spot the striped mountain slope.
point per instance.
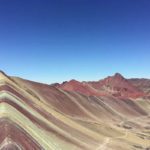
(36, 116)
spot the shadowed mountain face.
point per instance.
(110, 114)
(142, 84)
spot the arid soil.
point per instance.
(109, 114)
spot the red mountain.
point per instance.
(115, 85)
(142, 84)
(80, 87)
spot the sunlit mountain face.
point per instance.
(109, 114)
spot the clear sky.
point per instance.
(57, 40)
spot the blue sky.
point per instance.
(57, 40)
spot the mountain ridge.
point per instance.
(41, 116)
(115, 85)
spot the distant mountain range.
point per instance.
(116, 86)
(109, 114)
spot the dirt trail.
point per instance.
(108, 139)
(104, 145)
